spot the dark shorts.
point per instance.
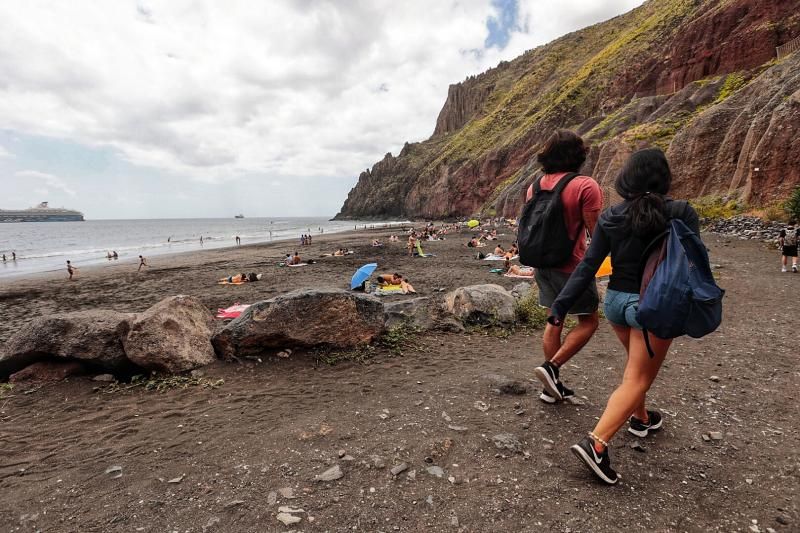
(790, 251)
(551, 282)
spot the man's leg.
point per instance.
(576, 339)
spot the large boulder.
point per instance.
(481, 304)
(47, 372)
(94, 337)
(415, 312)
(303, 318)
(172, 336)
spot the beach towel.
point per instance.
(232, 312)
(521, 276)
(283, 264)
(493, 257)
(420, 253)
(231, 282)
(387, 290)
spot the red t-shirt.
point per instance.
(582, 195)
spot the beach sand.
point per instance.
(278, 423)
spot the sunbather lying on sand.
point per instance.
(395, 279)
(516, 270)
(241, 278)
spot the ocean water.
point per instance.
(46, 246)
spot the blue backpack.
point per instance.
(682, 297)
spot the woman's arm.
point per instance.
(583, 274)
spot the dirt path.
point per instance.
(278, 424)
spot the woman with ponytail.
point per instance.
(625, 230)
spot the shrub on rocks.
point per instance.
(303, 318)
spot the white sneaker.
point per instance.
(783, 269)
(794, 269)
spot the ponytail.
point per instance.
(644, 181)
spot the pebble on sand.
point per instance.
(331, 474)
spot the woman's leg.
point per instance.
(624, 336)
(640, 371)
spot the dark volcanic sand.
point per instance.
(281, 422)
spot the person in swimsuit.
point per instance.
(71, 270)
(142, 263)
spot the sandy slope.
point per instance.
(279, 423)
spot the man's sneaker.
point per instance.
(783, 269)
(640, 429)
(566, 394)
(600, 464)
(548, 375)
(794, 269)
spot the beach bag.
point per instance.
(252, 276)
(543, 239)
(679, 295)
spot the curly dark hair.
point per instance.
(564, 151)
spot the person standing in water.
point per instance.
(625, 230)
(201, 240)
(71, 270)
(13, 256)
(142, 263)
(238, 241)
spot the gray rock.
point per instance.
(416, 312)
(435, 471)
(715, 379)
(288, 519)
(272, 498)
(507, 441)
(376, 461)
(286, 492)
(507, 385)
(94, 337)
(481, 304)
(303, 318)
(412, 475)
(331, 474)
(521, 290)
(638, 447)
(172, 336)
(104, 378)
(399, 469)
(715, 435)
(460, 429)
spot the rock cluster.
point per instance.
(176, 334)
(747, 227)
(173, 335)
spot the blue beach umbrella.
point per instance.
(362, 275)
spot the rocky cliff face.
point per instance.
(697, 78)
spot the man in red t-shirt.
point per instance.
(582, 199)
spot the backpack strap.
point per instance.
(563, 182)
(537, 185)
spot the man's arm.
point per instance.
(591, 204)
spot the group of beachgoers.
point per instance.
(624, 231)
(305, 240)
(13, 257)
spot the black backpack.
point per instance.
(544, 241)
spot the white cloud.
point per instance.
(211, 90)
(49, 180)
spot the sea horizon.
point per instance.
(43, 247)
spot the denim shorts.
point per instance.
(620, 308)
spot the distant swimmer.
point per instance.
(114, 254)
(4, 258)
(238, 241)
(71, 269)
(142, 263)
(201, 240)
(13, 256)
(109, 256)
(169, 238)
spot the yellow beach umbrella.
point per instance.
(473, 224)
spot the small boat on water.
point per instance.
(239, 216)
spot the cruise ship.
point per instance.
(41, 213)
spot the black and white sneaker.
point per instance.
(794, 269)
(640, 429)
(566, 394)
(548, 375)
(600, 464)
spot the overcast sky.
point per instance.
(185, 108)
